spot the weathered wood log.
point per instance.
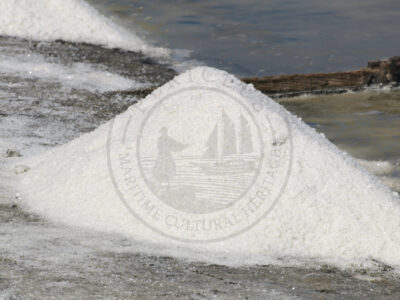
(378, 72)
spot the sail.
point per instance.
(212, 144)
(246, 142)
(229, 138)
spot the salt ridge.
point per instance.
(68, 20)
(332, 209)
(77, 75)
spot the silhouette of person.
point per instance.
(164, 168)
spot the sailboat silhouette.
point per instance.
(222, 154)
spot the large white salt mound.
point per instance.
(68, 20)
(331, 209)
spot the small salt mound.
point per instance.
(77, 75)
(330, 210)
(68, 20)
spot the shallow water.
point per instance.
(366, 125)
(267, 37)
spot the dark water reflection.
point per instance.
(268, 37)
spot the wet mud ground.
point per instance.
(42, 260)
(46, 261)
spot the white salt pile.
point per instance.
(68, 20)
(328, 208)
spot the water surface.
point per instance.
(366, 125)
(268, 37)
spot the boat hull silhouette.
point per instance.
(227, 166)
